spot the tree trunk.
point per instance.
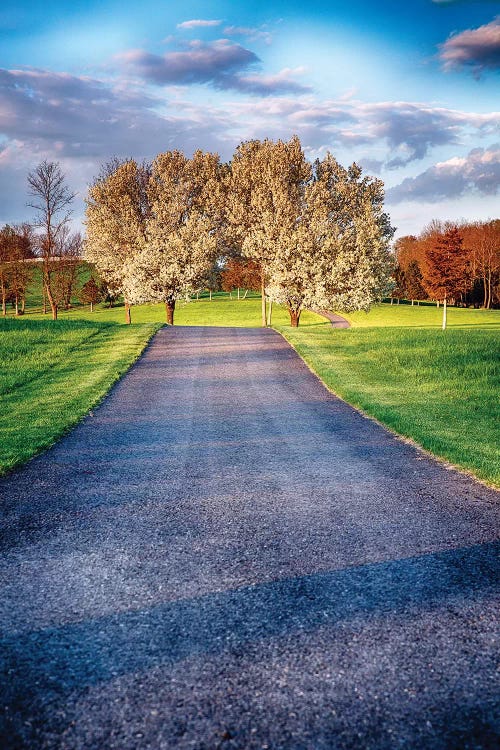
(269, 312)
(437, 304)
(444, 314)
(170, 307)
(23, 305)
(52, 302)
(245, 295)
(294, 317)
(238, 292)
(91, 307)
(398, 300)
(128, 316)
(4, 301)
(210, 295)
(392, 300)
(263, 298)
(17, 306)
(412, 303)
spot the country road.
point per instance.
(224, 555)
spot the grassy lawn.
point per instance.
(53, 373)
(219, 311)
(423, 316)
(438, 388)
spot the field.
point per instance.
(53, 373)
(438, 388)
(423, 316)
(220, 311)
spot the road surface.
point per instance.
(224, 555)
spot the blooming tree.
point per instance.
(186, 204)
(265, 200)
(117, 209)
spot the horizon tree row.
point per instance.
(470, 249)
(317, 233)
(16, 247)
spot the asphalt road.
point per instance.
(224, 555)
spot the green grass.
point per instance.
(220, 311)
(53, 373)
(423, 316)
(438, 388)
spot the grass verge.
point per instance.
(423, 316)
(438, 388)
(53, 373)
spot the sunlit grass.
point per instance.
(422, 316)
(52, 373)
(219, 311)
(438, 388)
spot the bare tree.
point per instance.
(51, 199)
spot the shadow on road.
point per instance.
(76, 655)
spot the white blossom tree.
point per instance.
(337, 255)
(265, 200)
(182, 236)
(117, 209)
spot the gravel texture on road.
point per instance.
(225, 555)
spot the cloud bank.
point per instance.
(478, 49)
(221, 64)
(478, 172)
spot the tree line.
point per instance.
(448, 261)
(16, 248)
(306, 235)
(21, 251)
(316, 234)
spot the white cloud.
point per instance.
(251, 32)
(476, 173)
(197, 23)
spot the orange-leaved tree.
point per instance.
(447, 264)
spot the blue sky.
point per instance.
(408, 89)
